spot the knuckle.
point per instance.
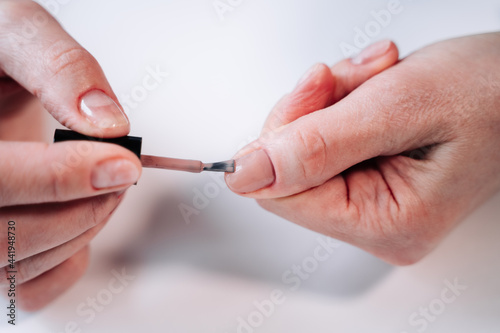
(25, 269)
(99, 209)
(311, 153)
(67, 56)
(93, 216)
(57, 181)
(55, 187)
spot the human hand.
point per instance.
(59, 195)
(392, 167)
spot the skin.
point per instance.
(56, 213)
(392, 205)
(397, 163)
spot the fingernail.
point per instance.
(113, 173)
(372, 52)
(253, 172)
(102, 111)
(309, 74)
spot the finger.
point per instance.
(351, 73)
(30, 268)
(318, 89)
(21, 118)
(324, 209)
(372, 206)
(329, 209)
(37, 293)
(40, 228)
(321, 87)
(37, 173)
(313, 149)
(37, 53)
(314, 92)
(336, 207)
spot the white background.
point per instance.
(224, 77)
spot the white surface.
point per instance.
(224, 78)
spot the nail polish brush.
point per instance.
(134, 144)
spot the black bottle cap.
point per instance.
(132, 143)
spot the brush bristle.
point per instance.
(225, 166)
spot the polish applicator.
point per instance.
(134, 144)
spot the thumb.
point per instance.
(291, 153)
(38, 54)
(313, 149)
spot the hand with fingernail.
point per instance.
(59, 196)
(388, 161)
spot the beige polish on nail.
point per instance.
(114, 173)
(253, 172)
(102, 111)
(372, 52)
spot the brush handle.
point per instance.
(132, 143)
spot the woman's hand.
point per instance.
(60, 195)
(392, 167)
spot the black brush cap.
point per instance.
(132, 143)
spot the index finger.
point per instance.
(37, 53)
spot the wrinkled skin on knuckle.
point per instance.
(67, 57)
(59, 179)
(100, 208)
(399, 233)
(406, 238)
(311, 154)
(26, 267)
